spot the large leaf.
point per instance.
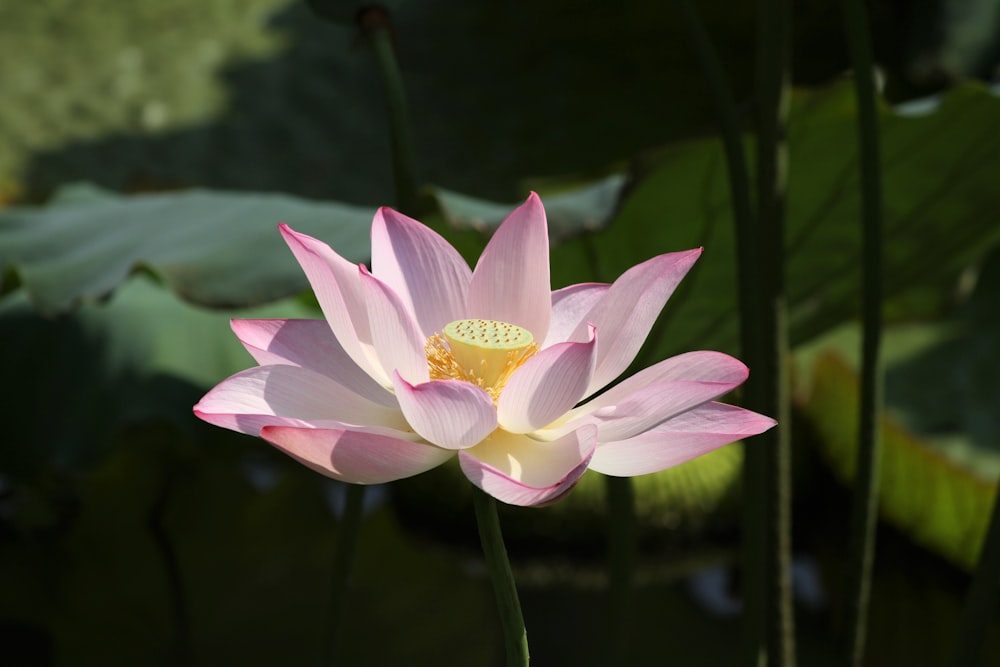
(216, 249)
(579, 209)
(940, 201)
(219, 249)
(941, 433)
(80, 380)
(939, 503)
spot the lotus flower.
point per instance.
(422, 358)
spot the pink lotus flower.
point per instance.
(421, 358)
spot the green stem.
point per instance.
(508, 605)
(767, 391)
(736, 165)
(621, 565)
(181, 649)
(375, 25)
(981, 603)
(753, 340)
(621, 530)
(861, 546)
(343, 563)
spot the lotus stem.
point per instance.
(981, 602)
(752, 341)
(504, 587)
(376, 26)
(767, 390)
(864, 513)
(343, 564)
(621, 564)
(181, 649)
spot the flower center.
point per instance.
(483, 352)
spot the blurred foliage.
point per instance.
(144, 355)
(937, 210)
(571, 209)
(78, 73)
(941, 459)
(262, 95)
(295, 104)
(202, 244)
(172, 558)
(938, 217)
(937, 502)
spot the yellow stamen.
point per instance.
(483, 352)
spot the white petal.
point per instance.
(628, 310)
(570, 307)
(521, 471)
(309, 344)
(651, 405)
(247, 400)
(511, 281)
(679, 440)
(427, 273)
(399, 344)
(358, 456)
(449, 413)
(338, 289)
(547, 386)
(697, 366)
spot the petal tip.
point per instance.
(297, 238)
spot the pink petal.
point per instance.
(399, 344)
(449, 413)
(309, 344)
(338, 289)
(678, 440)
(356, 456)
(699, 366)
(547, 385)
(570, 307)
(521, 471)
(250, 424)
(511, 280)
(628, 310)
(286, 394)
(645, 408)
(429, 275)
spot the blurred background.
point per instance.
(147, 152)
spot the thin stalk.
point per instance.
(343, 564)
(376, 26)
(181, 646)
(864, 514)
(508, 604)
(621, 565)
(981, 603)
(767, 391)
(752, 336)
(736, 165)
(621, 530)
